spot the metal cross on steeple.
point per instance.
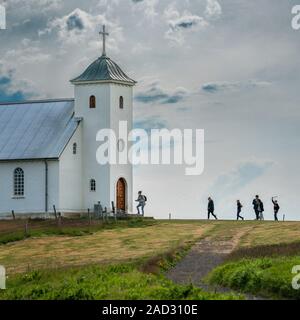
(104, 34)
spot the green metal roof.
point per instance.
(103, 70)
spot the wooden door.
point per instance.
(121, 195)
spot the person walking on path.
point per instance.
(142, 202)
(258, 207)
(239, 210)
(276, 208)
(211, 208)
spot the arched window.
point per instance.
(75, 148)
(92, 102)
(19, 182)
(121, 102)
(93, 185)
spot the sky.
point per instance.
(230, 67)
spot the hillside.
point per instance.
(151, 250)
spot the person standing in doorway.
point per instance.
(211, 208)
(239, 210)
(276, 208)
(142, 202)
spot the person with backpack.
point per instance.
(276, 208)
(239, 210)
(142, 202)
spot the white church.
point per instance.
(48, 148)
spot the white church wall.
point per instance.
(53, 184)
(125, 114)
(93, 121)
(70, 175)
(33, 200)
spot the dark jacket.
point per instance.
(239, 206)
(211, 205)
(276, 206)
(257, 204)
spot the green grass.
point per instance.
(121, 282)
(269, 277)
(39, 229)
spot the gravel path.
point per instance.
(205, 255)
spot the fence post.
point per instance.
(106, 214)
(55, 214)
(59, 220)
(26, 227)
(114, 210)
(13, 214)
(89, 216)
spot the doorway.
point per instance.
(121, 194)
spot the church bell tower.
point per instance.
(103, 98)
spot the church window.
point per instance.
(92, 102)
(75, 148)
(93, 185)
(19, 182)
(121, 102)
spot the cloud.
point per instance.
(240, 177)
(12, 89)
(150, 123)
(74, 21)
(213, 10)
(80, 27)
(178, 23)
(216, 87)
(33, 7)
(148, 7)
(155, 94)
(29, 52)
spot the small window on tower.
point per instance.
(75, 148)
(93, 185)
(121, 103)
(92, 102)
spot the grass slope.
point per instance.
(121, 282)
(270, 277)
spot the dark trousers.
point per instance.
(275, 215)
(239, 215)
(211, 212)
(257, 213)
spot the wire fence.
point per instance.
(20, 225)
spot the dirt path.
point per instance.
(205, 255)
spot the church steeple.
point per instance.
(104, 70)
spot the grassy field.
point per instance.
(116, 261)
(119, 244)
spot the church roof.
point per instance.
(103, 70)
(36, 129)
